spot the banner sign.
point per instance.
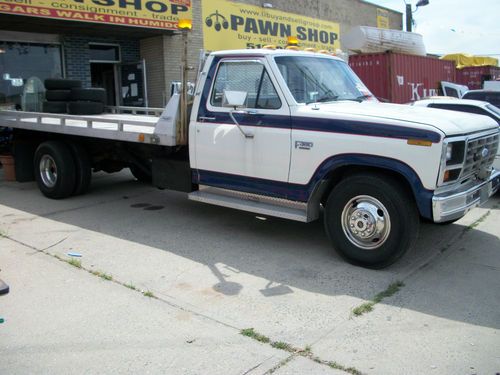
(230, 25)
(154, 14)
(382, 18)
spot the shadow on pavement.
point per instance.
(287, 254)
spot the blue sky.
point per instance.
(450, 26)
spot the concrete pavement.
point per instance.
(229, 270)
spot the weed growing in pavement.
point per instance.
(282, 346)
(149, 294)
(478, 221)
(368, 306)
(306, 353)
(337, 366)
(3, 233)
(249, 332)
(102, 275)
(130, 286)
(75, 262)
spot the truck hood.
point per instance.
(448, 122)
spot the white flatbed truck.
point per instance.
(282, 133)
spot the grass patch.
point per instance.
(478, 221)
(3, 233)
(366, 307)
(149, 294)
(282, 346)
(75, 262)
(306, 352)
(250, 332)
(363, 309)
(337, 366)
(102, 275)
(130, 286)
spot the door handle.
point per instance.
(203, 118)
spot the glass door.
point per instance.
(133, 84)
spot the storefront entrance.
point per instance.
(104, 75)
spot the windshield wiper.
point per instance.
(323, 99)
(358, 98)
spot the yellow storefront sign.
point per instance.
(230, 25)
(155, 14)
(382, 19)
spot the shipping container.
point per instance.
(474, 76)
(400, 78)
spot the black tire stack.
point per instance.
(87, 101)
(68, 96)
(58, 94)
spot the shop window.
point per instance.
(104, 52)
(23, 68)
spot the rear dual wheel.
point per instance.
(61, 169)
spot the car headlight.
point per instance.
(455, 152)
(452, 161)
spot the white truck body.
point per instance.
(310, 135)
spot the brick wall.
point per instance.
(76, 55)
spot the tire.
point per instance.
(140, 175)
(55, 170)
(92, 95)
(83, 168)
(55, 107)
(85, 108)
(361, 200)
(58, 95)
(61, 84)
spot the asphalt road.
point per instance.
(186, 278)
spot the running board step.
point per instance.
(252, 203)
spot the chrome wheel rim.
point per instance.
(366, 222)
(48, 171)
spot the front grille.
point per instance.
(475, 158)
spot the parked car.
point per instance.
(465, 105)
(492, 97)
(455, 90)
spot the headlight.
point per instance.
(452, 161)
(455, 152)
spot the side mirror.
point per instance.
(234, 99)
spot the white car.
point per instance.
(464, 105)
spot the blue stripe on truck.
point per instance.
(302, 193)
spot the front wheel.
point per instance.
(371, 220)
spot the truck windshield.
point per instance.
(318, 79)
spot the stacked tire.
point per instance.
(87, 101)
(58, 94)
(68, 96)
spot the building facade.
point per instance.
(132, 48)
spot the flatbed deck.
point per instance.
(139, 128)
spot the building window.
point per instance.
(104, 52)
(23, 68)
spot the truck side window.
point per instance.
(247, 76)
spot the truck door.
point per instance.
(221, 150)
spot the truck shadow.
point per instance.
(445, 275)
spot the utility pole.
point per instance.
(409, 18)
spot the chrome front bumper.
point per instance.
(453, 205)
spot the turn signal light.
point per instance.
(419, 142)
(141, 137)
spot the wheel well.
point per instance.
(333, 178)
